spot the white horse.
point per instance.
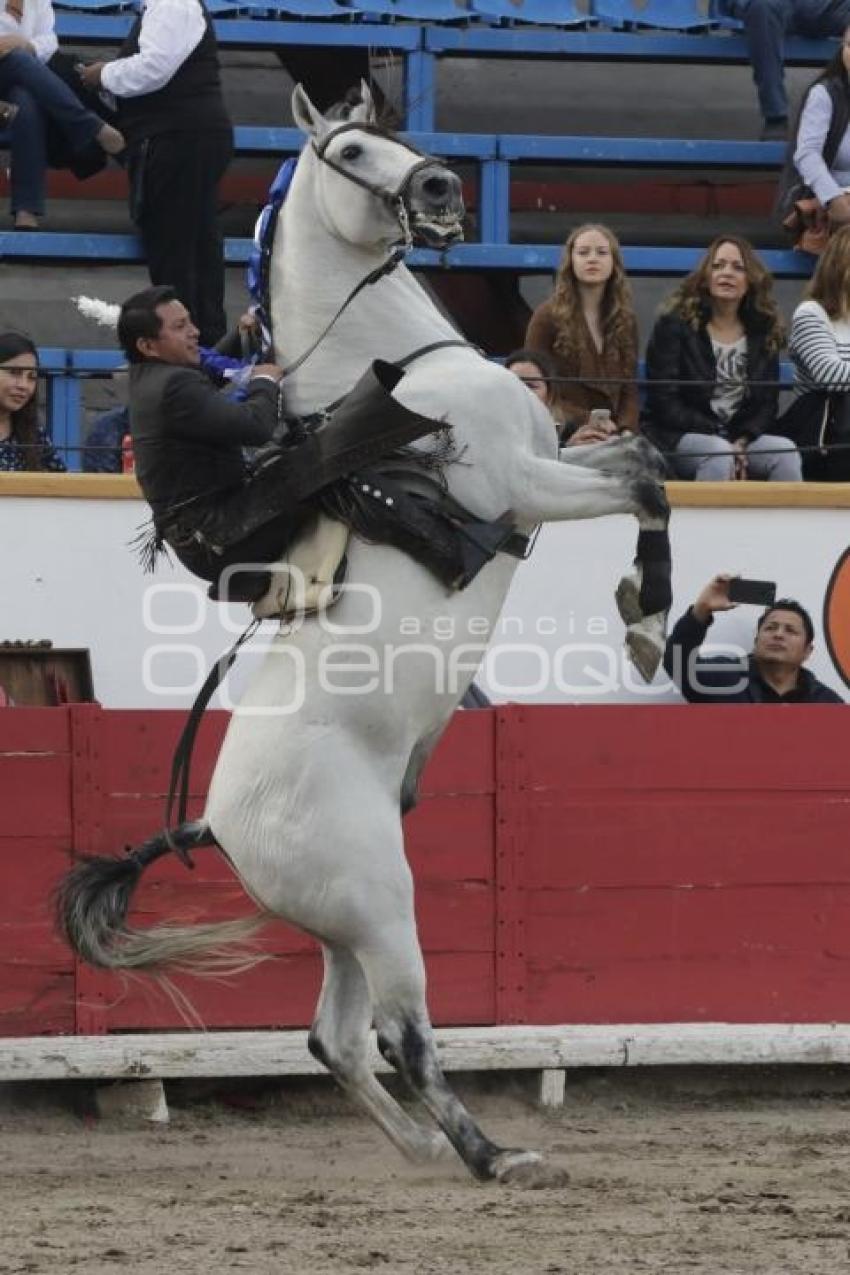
(306, 804)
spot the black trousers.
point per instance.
(174, 181)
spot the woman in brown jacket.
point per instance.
(588, 326)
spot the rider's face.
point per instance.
(177, 341)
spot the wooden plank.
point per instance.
(451, 838)
(35, 730)
(283, 993)
(681, 495)
(627, 747)
(270, 1053)
(463, 761)
(35, 791)
(36, 995)
(586, 927)
(743, 989)
(677, 839)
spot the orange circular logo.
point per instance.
(836, 616)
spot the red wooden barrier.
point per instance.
(589, 864)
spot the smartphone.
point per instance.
(759, 593)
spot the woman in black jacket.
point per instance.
(720, 333)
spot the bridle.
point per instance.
(393, 199)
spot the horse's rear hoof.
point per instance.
(527, 1169)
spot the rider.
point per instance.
(208, 505)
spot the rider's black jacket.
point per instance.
(188, 437)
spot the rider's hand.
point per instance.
(714, 597)
(838, 210)
(267, 369)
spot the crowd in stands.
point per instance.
(711, 400)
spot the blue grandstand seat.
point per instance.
(556, 13)
(95, 6)
(417, 10)
(308, 9)
(722, 19)
(671, 15)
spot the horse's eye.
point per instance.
(351, 152)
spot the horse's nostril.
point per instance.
(436, 187)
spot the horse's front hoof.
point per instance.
(645, 648)
(527, 1169)
(627, 597)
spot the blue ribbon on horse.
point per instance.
(259, 264)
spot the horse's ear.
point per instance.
(310, 120)
(365, 112)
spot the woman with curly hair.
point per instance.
(588, 327)
(712, 367)
(23, 444)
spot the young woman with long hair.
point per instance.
(23, 444)
(820, 351)
(588, 327)
(813, 197)
(712, 367)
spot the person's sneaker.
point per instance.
(775, 131)
(26, 220)
(110, 140)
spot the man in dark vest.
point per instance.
(208, 505)
(179, 143)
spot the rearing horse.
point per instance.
(306, 804)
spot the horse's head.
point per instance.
(374, 188)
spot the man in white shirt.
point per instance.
(179, 143)
(43, 101)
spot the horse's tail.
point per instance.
(93, 899)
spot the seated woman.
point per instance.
(588, 327)
(712, 367)
(820, 350)
(43, 102)
(813, 194)
(23, 445)
(539, 373)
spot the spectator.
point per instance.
(820, 350)
(188, 440)
(42, 104)
(539, 373)
(23, 445)
(772, 674)
(766, 23)
(179, 141)
(589, 328)
(812, 197)
(712, 367)
(102, 452)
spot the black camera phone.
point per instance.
(759, 593)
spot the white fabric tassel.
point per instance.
(101, 311)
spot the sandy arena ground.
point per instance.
(670, 1172)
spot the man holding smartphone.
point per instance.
(773, 673)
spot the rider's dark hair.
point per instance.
(138, 318)
(789, 604)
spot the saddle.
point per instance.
(395, 502)
(308, 578)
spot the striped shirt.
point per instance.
(819, 349)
